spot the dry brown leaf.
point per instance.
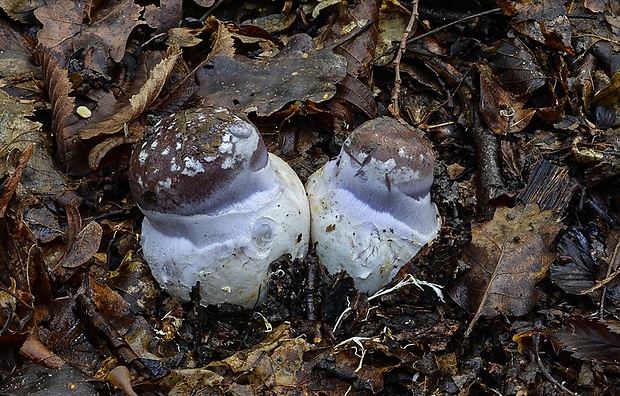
(610, 95)
(98, 152)
(146, 93)
(70, 151)
(501, 111)
(10, 185)
(34, 350)
(223, 42)
(508, 255)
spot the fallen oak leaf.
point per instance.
(508, 255)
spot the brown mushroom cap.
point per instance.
(197, 161)
(387, 154)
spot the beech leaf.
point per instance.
(591, 340)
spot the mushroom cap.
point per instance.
(385, 153)
(195, 160)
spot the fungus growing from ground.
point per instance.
(371, 206)
(219, 209)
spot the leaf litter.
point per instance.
(517, 122)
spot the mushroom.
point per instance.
(219, 209)
(371, 209)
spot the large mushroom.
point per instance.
(371, 206)
(218, 207)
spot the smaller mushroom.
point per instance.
(371, 208)
(219, 209)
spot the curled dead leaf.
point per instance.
(125, 112)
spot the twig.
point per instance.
(490, 182)
(394, 105)
(440, 28)
(539, 363)
(612, 266)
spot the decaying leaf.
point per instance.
(71, 153)
(69, 25)
(550, 186)
(591, 339)
(393, 18)
(84, 247)
(501, 111)
(133, 280)
(575, 271)
(298, 72)
(41, 176)
(516, 67)
(356, 26)
(545, 21)
(274, 365)
(610, 95)
(508, 255)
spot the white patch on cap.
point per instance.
(192, 167)
(173, 165)
(142, 157)
(166, 183)
(228, 143)
(166, 151)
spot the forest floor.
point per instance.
(517, 295)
